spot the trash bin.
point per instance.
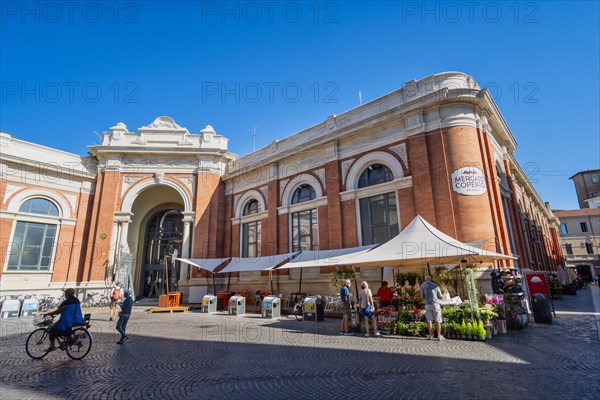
(237, 305)
(29, 308)
(11, 308)
(313, 309)
(209, 304)
(542, 311)
(271, 307)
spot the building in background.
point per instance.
(580, 229)
(587, 186)
(437, 147)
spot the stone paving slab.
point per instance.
(201, 356)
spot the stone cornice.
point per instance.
(444, 90)
(307, 205)
(250, 218)
(391, 186)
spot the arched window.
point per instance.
(251, 207)
(304, 223)
(303, 193)
(33, 242)
(379, 213)
(375, 174)
(39, 206)
(251, 231)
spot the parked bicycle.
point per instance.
(298, 309)
(46, 302)
(77, 343)
(95, 300)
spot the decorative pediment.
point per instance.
(163, 124)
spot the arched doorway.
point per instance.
(163, 236)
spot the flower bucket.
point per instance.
(501, 326)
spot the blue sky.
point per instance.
(69, 70)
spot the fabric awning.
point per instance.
(324, 258)
(256, 264)
(209, 264)
(420, 243)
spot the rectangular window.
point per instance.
(589, 248)
(32, 247)
(563, 228)
(595, 179)
(378, 218)
(251, 239)
(304, 230)
(584, 227)
(569, 249)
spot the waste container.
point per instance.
(542, 311)
(11, 308)
(209, 304)
(237, 305)
(313, 309)
(271, 307)
(29, 308)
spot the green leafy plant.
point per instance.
(401, 279)
(417, 329)
(464, 330)
(469, 274)
(339, 276)
(480, 330)
(412, 278)
(401, 328)
(487, 314)
(453, 314)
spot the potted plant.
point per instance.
(401, 279)
(464, 331)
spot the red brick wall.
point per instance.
(349, 225)
(333, 217)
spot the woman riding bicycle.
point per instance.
(70, 315)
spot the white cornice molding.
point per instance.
(307, 205)
(377, 189)
(40, 219)
(250, 218)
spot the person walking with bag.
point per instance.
(124, 315)
(368, 309)
(115, 297)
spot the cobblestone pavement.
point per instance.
(200, 356)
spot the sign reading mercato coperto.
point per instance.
(469, 181)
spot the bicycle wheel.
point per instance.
(37, 344)
(298, 312)
(79, 343)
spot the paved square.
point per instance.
(200, 356)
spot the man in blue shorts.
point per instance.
(345, 298)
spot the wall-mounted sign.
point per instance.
(469, 181)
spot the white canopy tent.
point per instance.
(325, 258)
(421, 243)
(256, 264)
(209, 264)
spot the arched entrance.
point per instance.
(157, 230)
(163, 238)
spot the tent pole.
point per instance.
(428, 269)
(228, 280)
(166, 274)
(271, 279)
(300, 283)
(214, 284)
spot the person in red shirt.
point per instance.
(385, 294)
